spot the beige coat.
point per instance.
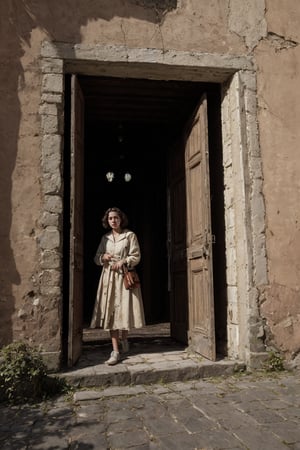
(115, 307)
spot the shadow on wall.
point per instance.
(61, 21)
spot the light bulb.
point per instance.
(110, 176)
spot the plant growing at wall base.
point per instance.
(275, 362)
(23, 375)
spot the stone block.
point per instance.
(52, 65)
(51, 259)
(51, 277)
(232, 313)
(51, 145)
(52, 98)
(53, 83)
(229, 217)
(49, 220)
(255, 165)
(52, 182)
(53, 204)
(257, 204)
(260, 267)
(51, 124)
(231, 266)
(49, 238)
(50, 290)
(48, 109)
(233, 341)
(230, 237)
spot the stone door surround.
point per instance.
(244, 205)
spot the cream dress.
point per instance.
(115, 307)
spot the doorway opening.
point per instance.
(131, 126)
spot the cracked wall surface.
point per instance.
(278, 62)
(267, 30)
(247, 20)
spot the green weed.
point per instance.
(23, 376)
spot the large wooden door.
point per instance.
(76, 223)
(177, 242)
(199, 236)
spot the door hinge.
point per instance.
(211, 239)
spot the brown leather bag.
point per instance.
(131, 278)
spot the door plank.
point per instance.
(76, 224)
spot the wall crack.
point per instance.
(280, 42)
(124, 37)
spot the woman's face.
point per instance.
(114, 221)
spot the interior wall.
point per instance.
(142, 154)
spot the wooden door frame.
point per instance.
(76, 222)
(244, 206)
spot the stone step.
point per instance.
(158, 362)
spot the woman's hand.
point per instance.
(106, 258)
(118, 265)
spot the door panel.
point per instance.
(199, 238)
(76, 223)
(177, 243)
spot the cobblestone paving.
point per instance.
(246, 411)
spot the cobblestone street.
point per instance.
(258, 411)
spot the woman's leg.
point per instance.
(114, 334)
(125, 344)
(115, 355)
(124, 335)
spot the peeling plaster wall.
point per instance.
(267, 30)
(278, 62)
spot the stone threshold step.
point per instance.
(145, 373)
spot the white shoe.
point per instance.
(125, 345)
(114, 358)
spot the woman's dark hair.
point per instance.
(123, 217)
